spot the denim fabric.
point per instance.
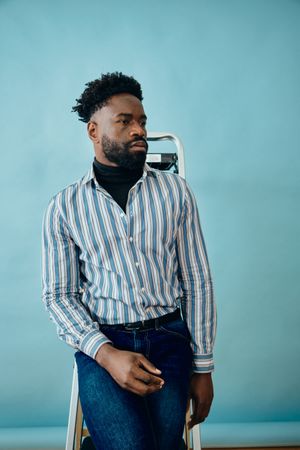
(120, 420)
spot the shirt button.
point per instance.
(143, 289)
(122, 214)
(131, 238)
(137, 264)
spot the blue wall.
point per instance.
(224, 75)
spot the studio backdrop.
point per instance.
(224, 76)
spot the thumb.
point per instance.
(144, 362)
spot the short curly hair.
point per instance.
(98, 92)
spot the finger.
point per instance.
(144, 362)
(142, 389)
(195, 420)
(199, 415)
(146, 377)
(194, 415)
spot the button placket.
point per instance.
(129, 210)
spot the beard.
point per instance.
(122, 155)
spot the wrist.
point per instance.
(202, 374)
(103, 354)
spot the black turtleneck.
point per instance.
(117, 181)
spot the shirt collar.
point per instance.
(148, 171)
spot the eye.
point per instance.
(123, 121)
(143, 123)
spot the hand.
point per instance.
(201, 393)
(132, 371)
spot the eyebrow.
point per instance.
(143, 116)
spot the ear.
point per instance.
(93, 131)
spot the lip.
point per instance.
(139, 144)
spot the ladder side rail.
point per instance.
(73, 411)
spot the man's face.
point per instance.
(118, 131)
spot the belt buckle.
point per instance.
(129, 326)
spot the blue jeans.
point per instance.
(120, 420)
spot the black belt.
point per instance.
(146, 324)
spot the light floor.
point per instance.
(227, 448)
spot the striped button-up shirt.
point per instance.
(102, 266)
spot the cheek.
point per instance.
(113, 133)
(120, 135)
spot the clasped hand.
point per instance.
(132, 371)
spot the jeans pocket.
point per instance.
(177, 328)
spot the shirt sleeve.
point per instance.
(198, 305)
(61, 291)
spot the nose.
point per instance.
(138, 130)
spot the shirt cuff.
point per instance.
(203, 363)
(91, 343)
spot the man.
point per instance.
(126, 281)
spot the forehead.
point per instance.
(123, 103)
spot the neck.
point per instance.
(115, 172)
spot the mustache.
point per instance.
(139, 139)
